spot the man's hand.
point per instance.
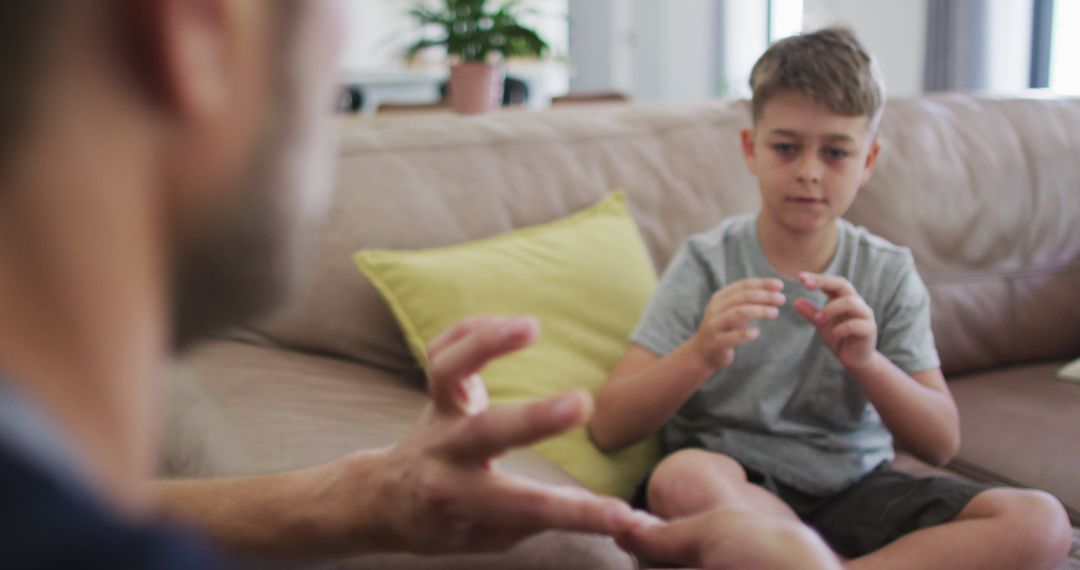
(726, 322)
(437, 490)
(731, 539)
(846, 323)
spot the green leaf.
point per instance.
(472, 32)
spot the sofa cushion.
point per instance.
(586, 278)
(1019, 426)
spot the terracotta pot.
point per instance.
(475, 87)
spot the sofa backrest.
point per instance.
(986, 192)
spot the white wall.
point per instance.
(894, 31)
(375, 33)
(653, 50)
(601, 39)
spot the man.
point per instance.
(159, 161)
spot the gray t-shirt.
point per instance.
(786, 406)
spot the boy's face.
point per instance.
(809, 161)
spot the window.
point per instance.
(1064, 45)
(785, 18)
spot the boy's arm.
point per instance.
(918, 409)
(644, 390)
(647, 388)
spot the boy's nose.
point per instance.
(809, 171)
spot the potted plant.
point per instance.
(478, 41)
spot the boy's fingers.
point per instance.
(500, 428)
(739, 337)
(751, 297)
(745, 285)
(767, 284)
(854, 327)
(461, 359)
(852, 307)
(742, 315)
(832, 285)
(807, 309)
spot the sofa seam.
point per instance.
(1011, 275)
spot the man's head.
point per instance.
(817, 100)
(229, 99)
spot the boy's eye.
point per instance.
(835, 153)
(785, 148)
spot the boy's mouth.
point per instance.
(806, 200)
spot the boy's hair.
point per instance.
(828, 66)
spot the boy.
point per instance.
(783, 352)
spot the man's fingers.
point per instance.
(678, 542)
(832, 285)
(500, 428)
(566, 508)
(459, 360)
(460, 329)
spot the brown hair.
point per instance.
(23, 35)
(26, 37)
(828, 66)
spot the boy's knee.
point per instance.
(1039, 522)
(691, 481)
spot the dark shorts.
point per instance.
(880, 508)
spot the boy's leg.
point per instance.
(999, 528)
(692, 481)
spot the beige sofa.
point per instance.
(985, 191)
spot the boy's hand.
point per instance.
(726, 323)
(846, 323)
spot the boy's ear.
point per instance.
(748, 150)
(871, 160)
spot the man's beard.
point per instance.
(242, 260)
(239, 263)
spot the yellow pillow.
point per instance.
(586, 278)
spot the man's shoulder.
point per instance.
(46, 524)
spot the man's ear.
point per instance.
(871, 160)
(188, 51)
(748, 150)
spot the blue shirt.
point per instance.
(49, 519)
